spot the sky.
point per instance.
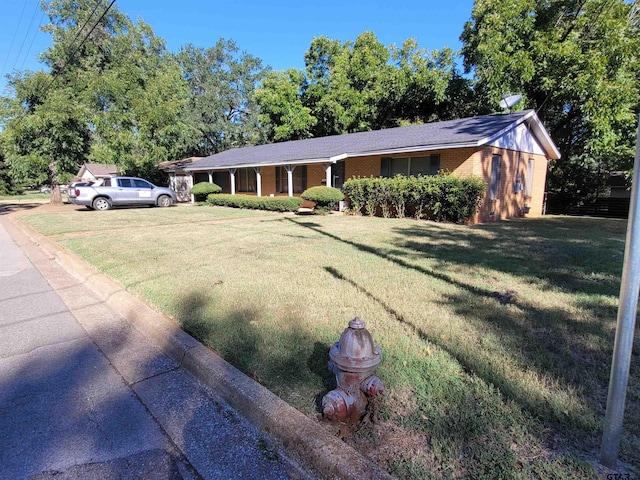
(278, 32)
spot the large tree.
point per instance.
(46, 134)
(576, 64)
(221, 112)
(113, 94)
(362, 85)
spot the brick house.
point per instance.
(510, 152)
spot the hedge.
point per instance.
(443, 197)
(278, 204)
(325, 198)
(202, 189)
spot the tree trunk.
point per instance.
(56, 194)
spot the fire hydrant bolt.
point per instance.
(372, 386)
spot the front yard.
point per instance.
(496, 339)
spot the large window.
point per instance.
(299, 179)
(246, 180)
(411, 166)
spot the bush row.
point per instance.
(443, 197)
(278, 204)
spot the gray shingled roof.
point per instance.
(99, 169)
(464, 132)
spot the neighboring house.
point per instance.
(179, 181)
(90, 172)
(510, 152)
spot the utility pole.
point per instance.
(627, 310)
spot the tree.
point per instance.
(576, 64)
(363, 85)
(113, 95)
(45, 133)
(280, 102)
(221, 112)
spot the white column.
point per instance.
(327, 172)
(290, 169)
(232, 179)
(210, 176)
(258, 171)
(193, 182)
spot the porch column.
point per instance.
(232, 180)
(290, 169)
(192, 182)
(327, 172)
(210, 176)
(258, 171)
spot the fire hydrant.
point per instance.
(353, 360)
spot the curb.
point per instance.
(311, 443)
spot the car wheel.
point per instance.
(164, 201)
(101, 203)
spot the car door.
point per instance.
(125, 193)
(144, 190)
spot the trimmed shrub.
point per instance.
(443, 197)
(202, 189)
(277, 204)
(325, 198)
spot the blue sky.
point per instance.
(277, 32)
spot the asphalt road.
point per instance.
(84, 395)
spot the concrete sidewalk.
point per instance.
(83, 394)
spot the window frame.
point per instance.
(387, 165)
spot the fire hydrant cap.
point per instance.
(356, 351)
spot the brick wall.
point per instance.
(509, 202)
(315, 175)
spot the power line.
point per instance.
(15, 34)
(33, 16)
(70, 57)
(26, 55)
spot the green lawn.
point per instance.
(476, 387)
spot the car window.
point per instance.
(125, 182)
(105, 183)
(141, 183)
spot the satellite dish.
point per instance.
(509, 101)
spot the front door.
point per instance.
(337, 172)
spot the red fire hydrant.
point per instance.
(354, 359)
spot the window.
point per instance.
(246, 180)
(412, 166)
(125, 182)
(529, 181)
(299, 179)
(142, 183)
(495, 177)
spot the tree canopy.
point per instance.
(113, 95)
(576, 64)
(221, 112)
(361, 85)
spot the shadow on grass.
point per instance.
(288, 360)
(543, 340)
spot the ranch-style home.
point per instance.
(510, 152)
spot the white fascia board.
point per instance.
(254, 165)
(336, 158)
